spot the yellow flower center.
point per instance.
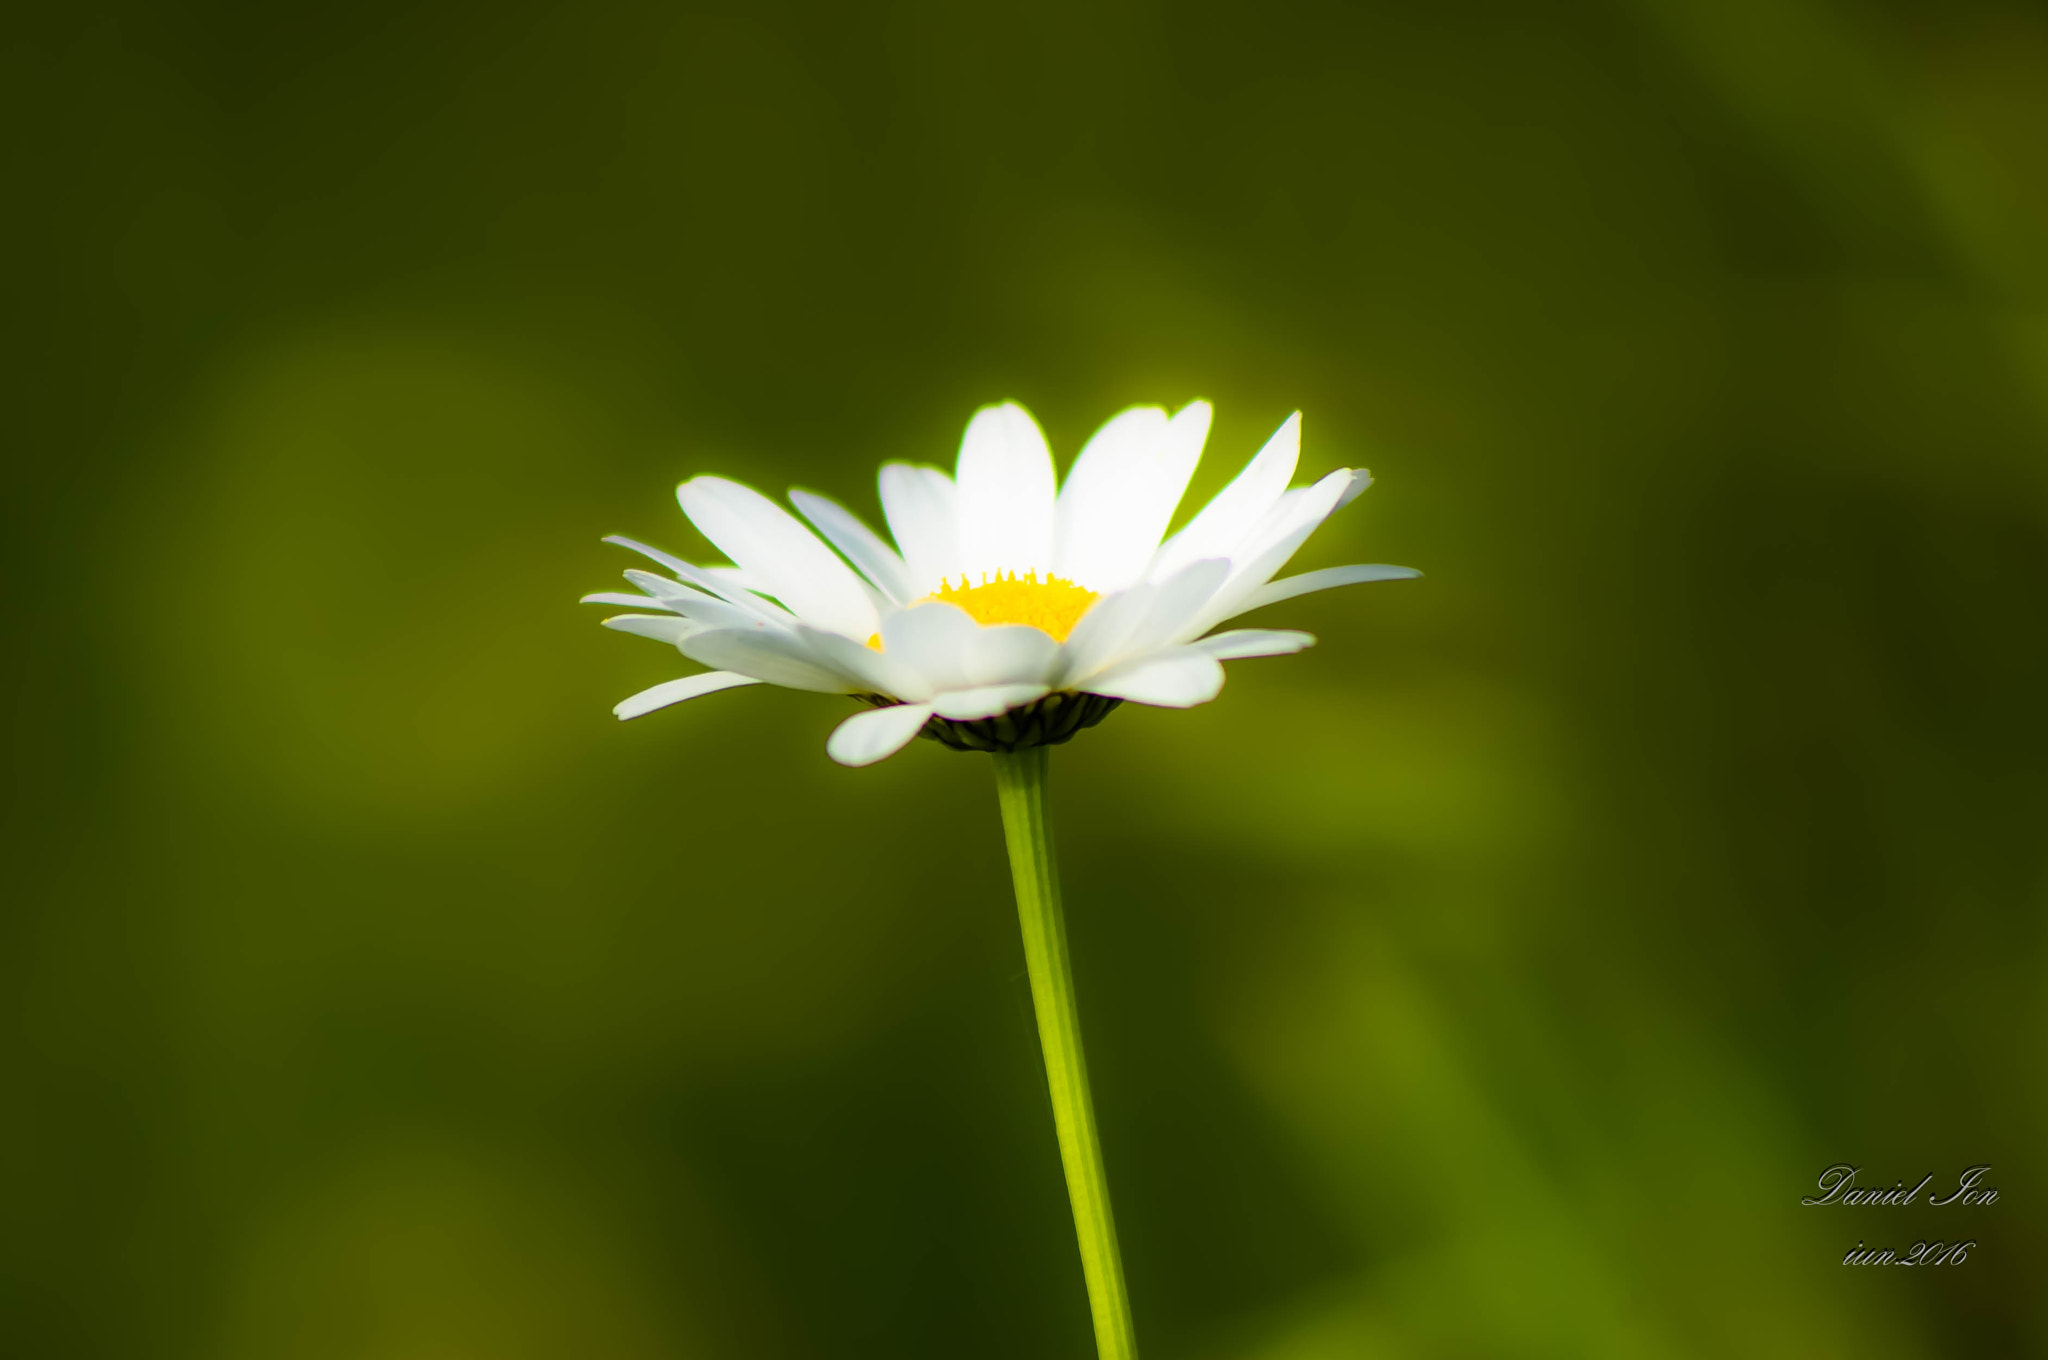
(1052, 606)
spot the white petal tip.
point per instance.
(1180, 678)
(677, 691)
(1243, 643)
(877, 734)
(987, 701)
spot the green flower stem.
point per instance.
(1020, 783)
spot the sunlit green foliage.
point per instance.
(1489, 981)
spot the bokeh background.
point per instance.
(1490, 981)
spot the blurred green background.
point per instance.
(1490, 981)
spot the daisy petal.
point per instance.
(1089, 542)
(1223, 523)
(675, 691)
(660, 627)
(933, 640)
(1140, 620)
(861, 545)
(669, 560)
(622, 598)
(1277, 540)
(702, 608)
(665, 590)
(771, 655)
(1179, 677)
(878, 672)
(737, 580)
(1005, 477)
(716, 583)
(1178, 602)
(1360, 480)
(921, 505)
(966, 705)
(1122, 494)
(1239, 643)
(1103, 635)
(1329, 578)
(876, 734)
(1296, 514)
(779, 554)
(1179, 453)
(1010, 654)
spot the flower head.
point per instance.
(1010, 612)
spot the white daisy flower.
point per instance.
(1010, 612)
